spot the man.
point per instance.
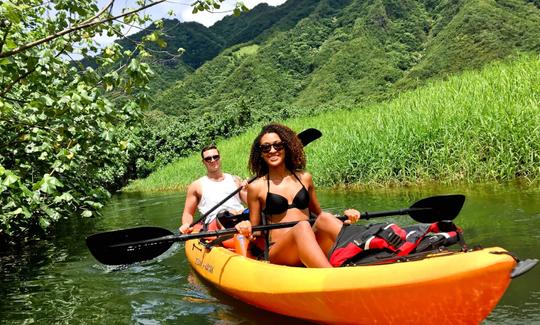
(209, 190)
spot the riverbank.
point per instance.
(476, 127)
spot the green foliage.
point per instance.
(263, 21)
(71, 130)
(198, 44)
(474, 127)
(323, 55)
(477, 32)
(68, 131)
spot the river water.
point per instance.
(57, 281)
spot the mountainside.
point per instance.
(201, 44)
(344, 53)
(310, 56)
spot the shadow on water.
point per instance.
(56, 280)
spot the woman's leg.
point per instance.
(327, 228)
(299, 246)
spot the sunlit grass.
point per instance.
(474, 127)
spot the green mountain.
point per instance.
(319, 55)
(200, 44)
(311, 56)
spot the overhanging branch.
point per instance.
(91, 22)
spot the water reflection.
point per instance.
(58, 281)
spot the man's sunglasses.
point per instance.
(268, 146)
(210, 158)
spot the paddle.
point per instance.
(143, 243)
(306, 137)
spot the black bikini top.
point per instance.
(277, 204)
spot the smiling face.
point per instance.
(272, 149)
(211, 160)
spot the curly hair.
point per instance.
(295, 159)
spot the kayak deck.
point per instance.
(458, 288)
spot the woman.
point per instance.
(284, 192)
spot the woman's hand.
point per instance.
(244, 228)
(352, 215)
(185, 229)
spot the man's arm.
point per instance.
(193, 197)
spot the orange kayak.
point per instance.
(444, 288)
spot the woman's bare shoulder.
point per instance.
(257, 184)
(305, 176)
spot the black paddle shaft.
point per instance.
(143, 243)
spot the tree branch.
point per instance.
(91, 22)
(24, 75)
(8, 88)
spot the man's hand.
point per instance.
(185, 229)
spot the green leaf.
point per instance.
(16, 212)
(86, 214)
(44, 223)
(48, 184)
(65, 197)
(93, 204)
(10, 178)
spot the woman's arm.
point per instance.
(314, 205)
(254, 206)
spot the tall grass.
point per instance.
(474, 127)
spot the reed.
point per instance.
(479, 126)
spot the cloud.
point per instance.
(183, 10)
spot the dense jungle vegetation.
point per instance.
(72, 131)
(477, 126)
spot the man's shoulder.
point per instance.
(196, 184)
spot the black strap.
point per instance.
(266, 233)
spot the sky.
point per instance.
(182, 11)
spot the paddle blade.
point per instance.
(437, 208)
(113, 247)
(309, 135)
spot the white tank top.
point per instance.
(213, 192)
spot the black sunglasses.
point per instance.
(210, 158)
(268, 146)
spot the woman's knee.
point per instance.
(302, 230)
(327, 221)
(303, 227)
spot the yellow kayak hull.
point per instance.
(458, 288)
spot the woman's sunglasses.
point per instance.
(268, 146)
(210, 158)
